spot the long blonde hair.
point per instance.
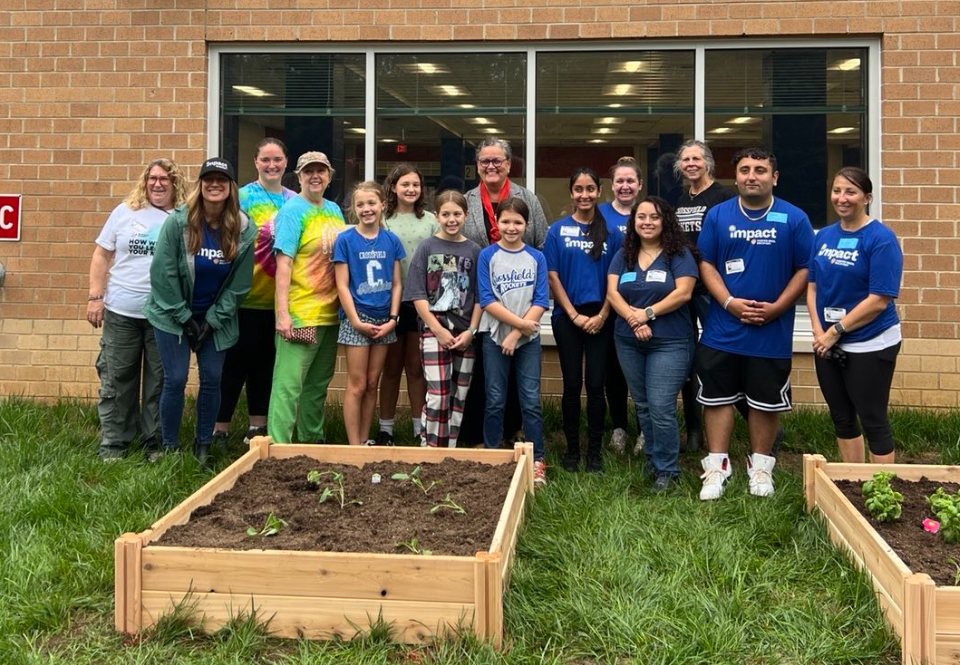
(367, 186)
(138, 198)
(229, 221)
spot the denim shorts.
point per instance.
(349, 336)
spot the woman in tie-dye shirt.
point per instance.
(307, 305)
(251, 361)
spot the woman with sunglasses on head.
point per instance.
(854, 278)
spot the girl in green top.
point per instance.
(405, 216)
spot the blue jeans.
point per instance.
(655, 370)
(175, 356)
(496, 371)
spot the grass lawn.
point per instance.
(606, 572)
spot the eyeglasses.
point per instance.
(491, 162)
(158, 179)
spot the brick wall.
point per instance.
(90, 90)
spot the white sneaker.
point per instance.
(618, 440)
(539, 473)
(716, 470)
(638, 447)
(760, 471)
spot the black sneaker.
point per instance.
(202, 451)
(252, 433)
(663, 483)
(383, 439)
(571, 462)
(594, 464)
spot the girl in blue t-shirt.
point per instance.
(649, 284)
(579, 249)
(855, 271)
(366, 261)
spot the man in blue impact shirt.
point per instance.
(755, 250)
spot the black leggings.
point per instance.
(573, 347)
(249, 362)
(616, 387)
(861, 389)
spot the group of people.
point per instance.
(263, 284)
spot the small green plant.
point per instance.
(314, 477)
(956, 571)
(270, 528)
(414, 477)
(414, 546)
(882, 502)
(448, 504)
(946, 508)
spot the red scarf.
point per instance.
(488, 207)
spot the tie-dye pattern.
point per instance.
(307, 233)
(262, 207)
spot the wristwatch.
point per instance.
(651, 315)
(473, 331)
(839, 327)
(394, 317)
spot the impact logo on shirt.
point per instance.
(214, 256)
(579, 243)
(515, 279)
(754, 236)
(839, 257)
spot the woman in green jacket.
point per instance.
(202, 270)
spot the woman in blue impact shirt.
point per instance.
(579, 249)
(854, 278)
(649, 284)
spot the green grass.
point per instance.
(606, 572)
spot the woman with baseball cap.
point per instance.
(307, 305)
(201, 271)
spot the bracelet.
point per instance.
(93, 298)
(473, 331)
(727, 302)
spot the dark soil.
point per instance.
(392, 512)
(923, 552)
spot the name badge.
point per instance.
(628, 277)
(833, 314)
(569, 231)
(777, 217)
(657, 276)
(847, 243)
(734, 266)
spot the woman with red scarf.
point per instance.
(493, 167)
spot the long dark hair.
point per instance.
(673, 240)
(598, 225)
(400, 170)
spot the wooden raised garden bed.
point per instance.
(323, 595)
(925, 616)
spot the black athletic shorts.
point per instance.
(726, 378)
(408, 321)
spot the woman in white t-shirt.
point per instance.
(119, 285)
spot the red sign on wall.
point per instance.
(10, 216)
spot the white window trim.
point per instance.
(802, 333)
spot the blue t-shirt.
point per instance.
(210, 271)
(370, 262)
(756, 260)
(848, 266)
(643, 288)
(568, 254)
(517, 279)
(615, 221)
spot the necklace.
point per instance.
(754, 219)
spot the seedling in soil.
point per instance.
(448, 504)
(414, 546)
(414, 477)
(270, 528)
(337, 491)
(956, 574)
(946, 508)
(882, 502)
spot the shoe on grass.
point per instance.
(571, 461)
(716, 470)
(594, 464)
(663, 483)
(618, 440)
(539, 473)
(202, 450)
(252, 433)
(220, 439)
(638, 446)
(760, 472)
(383, 439)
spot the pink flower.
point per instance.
(933, 526)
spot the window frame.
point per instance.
(803, 334)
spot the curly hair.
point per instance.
(367, 186)
(229, 221)
(138, 198)
(673, 240)
(400, 170)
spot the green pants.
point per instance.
(301, 375)
(131, 377)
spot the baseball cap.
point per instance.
(312, 157)
(218, 165)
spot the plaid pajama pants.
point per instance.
(447, 374)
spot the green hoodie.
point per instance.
(172, 274)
